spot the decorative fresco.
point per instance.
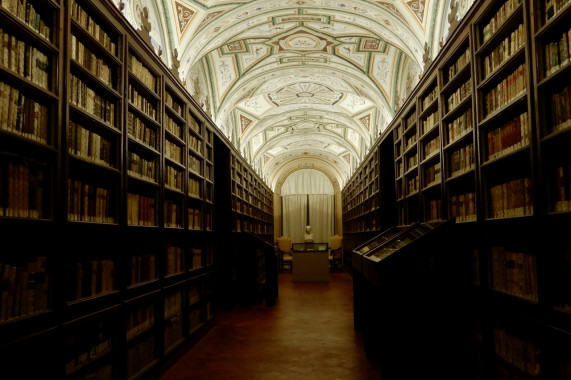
(316, 78)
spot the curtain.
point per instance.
(294, 211)
(307, 181)
(321, 216)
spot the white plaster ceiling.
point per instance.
(310, 82)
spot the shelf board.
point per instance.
(503, 69)
(11, 22)
(460, 175)
(562, 74)
(430, 108)
(514, 19)
(433, 130)
(560, 17)
(432, 186)
(141, 145)
(29, 86)
(459, 140)
(91, 118)
(89, 40)
(100, 165)
(174, 115)
(431, 157)
(457, 111)
(517, 100)
(143, 115)
(454, 82)
(134, 80)
(504, 155)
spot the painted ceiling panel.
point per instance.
(297, 82)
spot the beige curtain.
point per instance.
(308, 193)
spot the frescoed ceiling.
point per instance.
(312, 82)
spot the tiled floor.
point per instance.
(308, 334)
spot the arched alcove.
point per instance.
(308, 198)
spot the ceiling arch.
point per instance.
(298, 80)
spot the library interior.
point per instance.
(172, 171)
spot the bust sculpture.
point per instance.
(308, 236)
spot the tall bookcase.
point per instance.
(252, 201)
(106, 198)
(482, 139)
(367, 206)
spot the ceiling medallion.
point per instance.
(305, 93)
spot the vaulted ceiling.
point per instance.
(297, 83)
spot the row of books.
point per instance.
(462, 160)
(88, 202)
(95, 342)
(90, 61)
(458, 96)
(90, 145)
(143, 268)
(173, 331)
(26, 12)
(411, 162)
(173, 104)
(459, 64)
(195, 319)
(553, 7)
(195, 144)
(514, 273)
(459, 126)
(194, 188)
(173, 151)
(140, 131)
(173, 216)
(509, 137)
(140, 210)
(172, 126)
(24, 59)
(174, 261)
(430, 98)
(525, 355)
(194, 218)
(409, 140)
(429, 122)
(141, 72)
(507, 90)
(560, 107)
(142, 103)
(463, 207)
(174, 178)
(196, 259)
(139, 356)
(499, 18)
(194, 125)
(194, 164)
(21, 190)
(434, 210)
(511, 199)
(557, 53)
(410, 120)
(173, 304)
(22, 115)
(431, 147)
(91, 278)
(87, 99)
(79, 15)
(563, 188)
(412, 185)
(137, 166)
(504, 51)
(23, 289)
(432, 174)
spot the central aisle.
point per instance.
(308, 334)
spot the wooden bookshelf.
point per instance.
(500, 133)
(107, 171)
